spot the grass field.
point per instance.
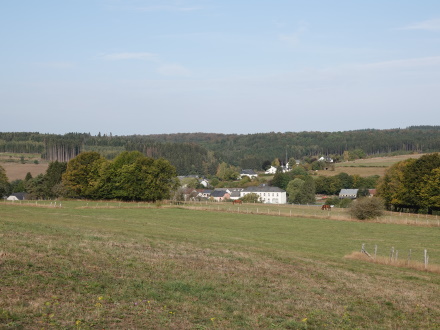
(367, 167)
(17, 168)
(132, 266)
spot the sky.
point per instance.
(218, 66)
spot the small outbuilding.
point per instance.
(21, 196)
(348, 193)
(249, 173)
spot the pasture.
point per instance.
(110, 265)
(17, 167)
(367, 167)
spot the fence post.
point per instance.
(375, 251)
(426, 259)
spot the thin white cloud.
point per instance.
(173, 70)
(428, 25)
(129, 56)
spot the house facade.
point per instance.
(267, 194)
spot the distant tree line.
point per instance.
(201, 153)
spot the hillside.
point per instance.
(367, 167)
(201, 153)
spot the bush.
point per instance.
(367, 208)
(251, 198)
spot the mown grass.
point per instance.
(82, 267)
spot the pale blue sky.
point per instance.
(168, 66)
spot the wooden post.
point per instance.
(426, 259)
(409, 256)
(375, 251)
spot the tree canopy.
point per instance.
(4, 184)
(130, 176)
(411, 184)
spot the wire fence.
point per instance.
(284, 210)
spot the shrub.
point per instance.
(251, 198)
(367, 208)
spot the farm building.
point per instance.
(267, 194)
(220, 194)
(17, 197)
(348, 193)
(249, 173)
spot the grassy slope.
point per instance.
(162, 268)
(367, 167)
(14, 168)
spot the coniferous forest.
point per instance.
(200, 153)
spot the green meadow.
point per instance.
(169, 267)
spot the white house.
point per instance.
(204, 183)
(271, 170)
(325, 159)
(249, 173)
(267, 194)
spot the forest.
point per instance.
(201, 153)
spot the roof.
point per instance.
(219, 193)
(349, 192)
(20, 195)
(263, 189)
(248, 172)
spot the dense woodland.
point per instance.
(201, 153)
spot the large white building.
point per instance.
(267, 194)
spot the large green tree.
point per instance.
(131, 176)
(293, 189)
(82, 176)
(410, 184)
(430, 190)
(53, 178)
(4, 184)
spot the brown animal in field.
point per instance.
(237, 201)
(326, 207)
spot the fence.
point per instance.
(415, 259)
(285, 210)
